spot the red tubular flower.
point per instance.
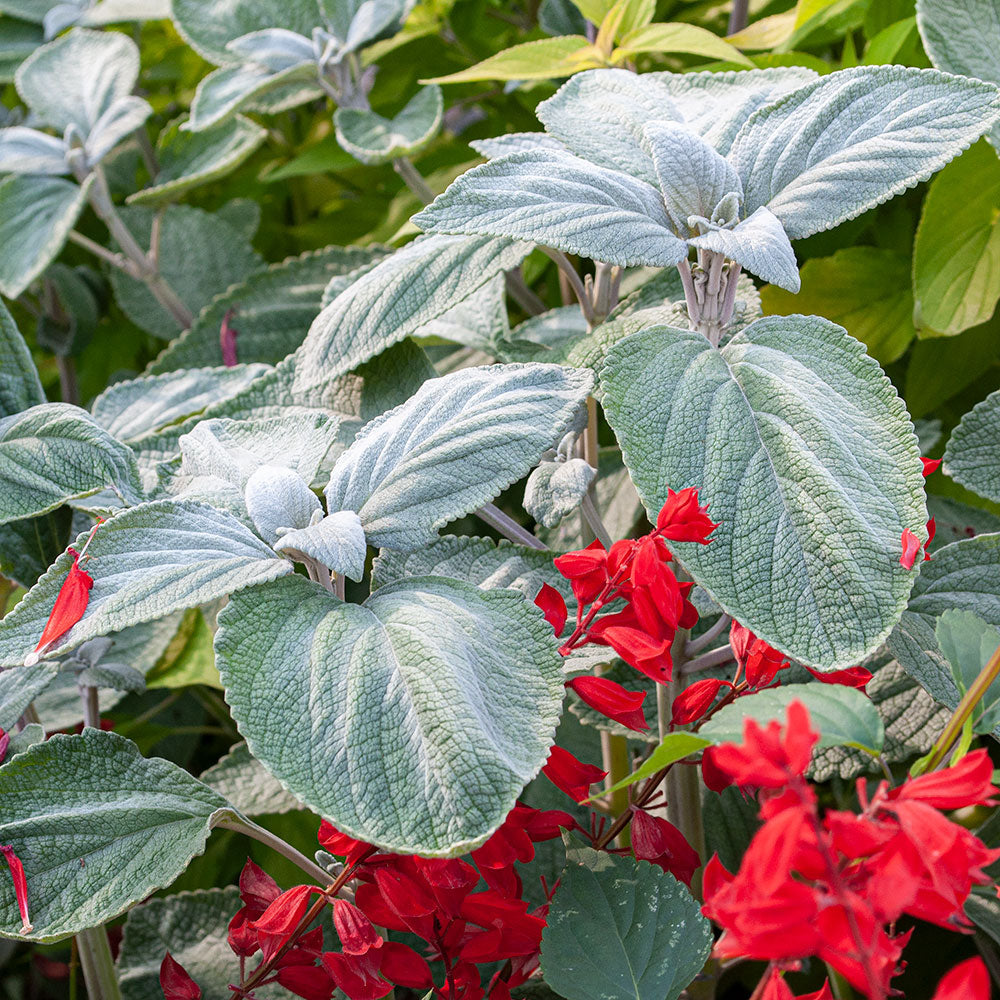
(571, 775)
(609, 698)
(356, 932)
(758, 661)
(257, 889)
(20, 885)
(275, 926)
(175, 982)
(769, 757)
(586, 570)
(553, 607)
(357, 975)
(696, 699)
(778, 989)
(911, 547)
(311, 982)
(682, 520)
(660, 842)
(452, 880)
(930, 465)
(332, 840)
(855, 677)
(71, 603)
(968, 980)
(405, 967)
(967, 783)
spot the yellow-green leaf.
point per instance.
(684, 38)
(539, 60)
(765, 33)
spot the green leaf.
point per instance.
(189, 159)
(730, 820)
(687, 39)
(544, 59)
(967, 643)
(19, 688)
(620, 929)
(201, 255)
(673, 747)
(555, 489)
(78, 77)
(189, 658)
(97, 827)
(232, 88)
(209, 28)
(192, 926)
(970, 456)
(559, 200)
(28, 547)
(372, 139)
(864, 289)
(20, 387)
(891, 44)
(392, 301)
(844, 716)
(55, 452)
(964, 576)
(136, 408)
(36, 217)
(454, 446)
(272, 309)
(963, 37)
(854, 139)
(956, 255)
(145, 562)
(807, 552)
(248, 786)
(402, 720)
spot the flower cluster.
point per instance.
(834, 884)
(438, 900)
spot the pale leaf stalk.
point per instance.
(97, 964)
(695, 646)
(713, 658)
(508, 527)
(250, 829)
(413, 179)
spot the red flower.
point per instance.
(911, 547)
(778, 989)
(968, 980)
(312, 982)
(696, 699)
(967, 783)
(611, 699)
(660, 842)
(175, 982)
(275, 926)
(405, 967)
(4, 743)
(71, 603)
(930, 465)
(20, 885)
(356, 932)
(855, 677)
(553, 607)
(227, 340)
(682, 520)
(586, 570)
(571, 775)
(357, 975)
(332, 840)
(769, 757)
(758, 661)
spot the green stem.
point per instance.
(240, 824)
(939, 752)
(97, 964)
(413, 179)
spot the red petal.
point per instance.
(609, 698)
(911, 546)
(967, 981)
(930, 465)
(356, 932)
(71, 602)
(257, 889)
(681, 519)
(694, 701)
(20, 885)
(344, 846)
(280, 919)
(175, 982)
(660, 842)
(308, 981)
(855, 677)
(571, 775)
(4, 743)
(553, 607)
(405, 967)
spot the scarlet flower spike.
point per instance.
(20, 885)
(71, 603)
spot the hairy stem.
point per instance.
(695, 646)
(413, 179)
(508, 527)
(714, 658)
(567, 269)
(69, 387)
(738, 15)
(251, 829)
(594, 520)
(97, 964)
(522, 294)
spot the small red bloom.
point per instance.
(855, 677)
(20, 885)
(405, 967)
(571, 775)
(778, 989)
(967, 783)
(275, 926)
(175, 982)
(586, 570)
(911, 547)
(332, 840)
(758, 661)
(968, 980)
(656, 840)
(553, 607)
(682, 520)
(71, 603)
(696, 699)
(930, 465)
(357, 975)
(356, 932)
(609, 698)
(311, 982)
(769, 757)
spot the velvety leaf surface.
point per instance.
(454, 446)
(843, 716)
(55, 452)
(192, 926)
(98, 827)
(145, 562)
(272, 309)
(248, 786)
(19, 687)
(402, 720)
(20, 387)
(854, 139)
(620, 929)
(372, 139)
(971, 456)
(806, 455)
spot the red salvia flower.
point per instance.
(405, 967)
(344, 846)
(930, 465)
(356, 932)
(275, 925)
(682, 520)
(967, 783)
(611, 699)
(357, 975)
(311, 982)
(660, 842)
(855, 677)
(968, 980)
(696, 699)
(571, 775)
(175, 982)
(758, 661)
(71, 603)
(553, 607)
(911, 548)
(20, 885)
